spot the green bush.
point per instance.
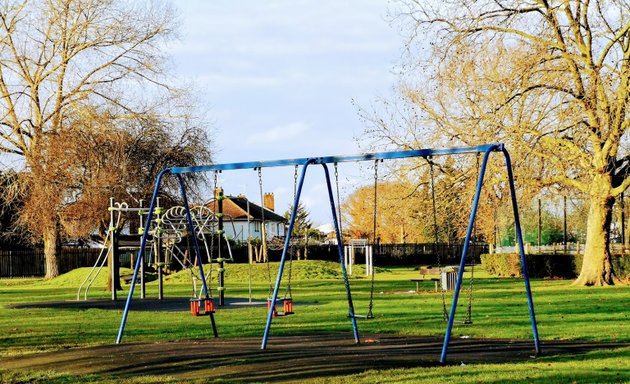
(546, 266)
(502, 264)
(621, 266)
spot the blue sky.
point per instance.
(278, 79)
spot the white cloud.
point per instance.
(251, 44)
(280, 75)
(315, 200)
(234, 80)
(285, 27)
(278, 134)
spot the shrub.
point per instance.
(621, 266)
(502, 264)
(550, 266)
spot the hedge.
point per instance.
(547, 266)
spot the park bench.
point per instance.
(427, 274)
(435, 275)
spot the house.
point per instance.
(244, 218)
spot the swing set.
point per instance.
(287, 300)
(305, 163)
(444, 276)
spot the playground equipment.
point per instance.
(447, 277)
(287, 300)
(166, 246)
(486, 150)
(174, 239)
(110, 248)
(205, 225)
(350, 251)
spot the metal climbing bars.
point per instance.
(323, 161)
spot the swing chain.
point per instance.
(345, 280)
(288, 293)
(262, 206)
(374, 238)
(262, 230)
(295, 180)
(338, 201)
(436, 236)
(468, 319)
(375, 241)
(212, 230)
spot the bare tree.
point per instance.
(550, 78)
(11, 234)
(72, 74)
(156, 143)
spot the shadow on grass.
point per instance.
(173, 304)
(296, 357)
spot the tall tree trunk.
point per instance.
(596, 267)
(52, 247)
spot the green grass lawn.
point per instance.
(499, 311)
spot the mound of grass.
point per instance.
(11, 282)
(74, 278)
(300, 270)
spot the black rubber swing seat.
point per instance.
(368, 316)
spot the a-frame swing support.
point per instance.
(323, 161)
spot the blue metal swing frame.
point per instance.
(323, 161)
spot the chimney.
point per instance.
(269, 201)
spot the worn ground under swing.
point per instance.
(288, 358)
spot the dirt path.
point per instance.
(287, 358)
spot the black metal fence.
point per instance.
(31, 262)
(384, 254)
(426, 254)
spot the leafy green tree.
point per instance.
(302, 222)
(301, 227)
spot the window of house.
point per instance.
(256, 226)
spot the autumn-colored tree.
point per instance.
(76, 78)
(551, 79)
(402, 216)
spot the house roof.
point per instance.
(235, 207)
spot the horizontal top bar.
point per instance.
(125, 209)
(340, 159)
